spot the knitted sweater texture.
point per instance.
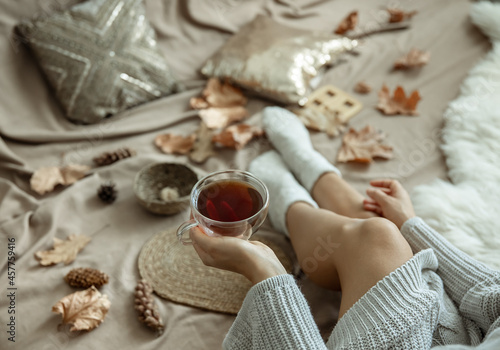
(441, 299)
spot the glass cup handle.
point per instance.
(184, 228)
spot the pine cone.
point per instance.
(107, 158)
(145, 304)
(107, 192)
(85, 277)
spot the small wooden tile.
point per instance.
(330, 100)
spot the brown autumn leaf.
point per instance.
(399, 103)
(326, 122)
(237, 136)
(348, 23)
(413, 59)
(362, 146)
(83, 310)
(220, 105)
(219, 94)
(171, 143)
(362, 88)
(73, 172)
(198, 103)
(203, 147)
(63, 251)
(45, 179)
(397, 15)
(220, 117)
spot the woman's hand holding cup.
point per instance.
(252, 259)
(227, 207)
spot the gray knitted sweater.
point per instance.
(440, 298)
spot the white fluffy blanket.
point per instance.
(467, 210)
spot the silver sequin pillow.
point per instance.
(100, 57)
(274, 60)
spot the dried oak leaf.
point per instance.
(198, 103)
(220, 117)
(362, 88)
(348, 23)
(203, 147)
(314, 120)
(171, 143)
(45, 179)
(83, 310)
(399, 103)
(237, 136)
(362, 146)
(63, 251)
(413, 59)
(398, 15)
(73, 172)
(218, 94)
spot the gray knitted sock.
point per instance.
(290, 137)
(284, 190)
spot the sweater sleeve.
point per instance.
(473, 286)
(492, 342)
(274, 315)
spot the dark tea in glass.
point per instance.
(229, 201)
(226, 203)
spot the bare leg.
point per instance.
(341, 253)
(333, 193)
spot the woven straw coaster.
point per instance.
(176, 273)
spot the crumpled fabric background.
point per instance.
(35, 133)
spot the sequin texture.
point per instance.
(276, 61)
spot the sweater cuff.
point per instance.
(411, 222)
(270, 284)
(418, 241)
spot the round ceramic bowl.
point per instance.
(152, 181)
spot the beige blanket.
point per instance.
(34, 133)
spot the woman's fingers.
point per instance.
(373, 207)
(370, 205)
(197, 236)
(377, 195)
(257, 243)
(393, 186)
(218, 245)
(381, 183)
(252, 259)
(199, 244)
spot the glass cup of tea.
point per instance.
(227, 203)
